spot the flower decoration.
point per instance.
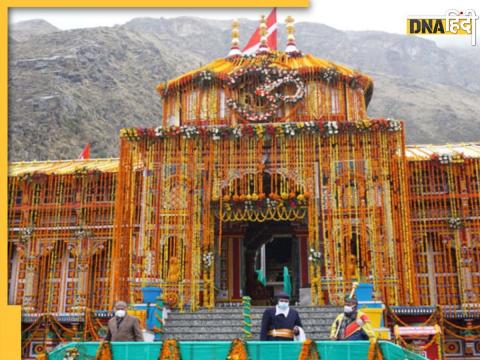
(314, 256)
(71, 354)
(208, 259)
(455, 223)
(331, 127)
(26, 234)
(445, 158)
(448, 158)
(189, 131)
(217, 132)
(271, 80)
(159, 131)
(289, 129)
(394, 125)
(329, 75)
(205, 76)
(36, 176)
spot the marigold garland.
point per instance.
(104, 351)
(170, 350)
(309, 351)
(304, 64)
(374, 351)
(444, 200)
(322, 127)
(238, 350)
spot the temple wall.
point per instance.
(60, 240)
(175, 189)
(445, 210)
(208, 104)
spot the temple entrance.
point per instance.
(262, 222)
(268, 248)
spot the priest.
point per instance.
(352, 324)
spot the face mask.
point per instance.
(120, 313)
(347, 309)
(283, 305)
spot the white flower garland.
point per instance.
(208, 259)
(332, 127)
(273, 79)
(189, 131)
(289, 129)
(455, 223)
(445, 158)
(315, 256)
(394, 125)
(159, 131)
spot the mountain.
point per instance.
(68, 88)
(24, 30)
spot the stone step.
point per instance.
(226, 323)
(240, 316)
(237, 314)
(261, 309)
(238, 322)
(199, 329)
(237, 317)
(233, 334)
(227, 337)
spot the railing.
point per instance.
(345, 350)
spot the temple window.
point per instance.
(334, 100)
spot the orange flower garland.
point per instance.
(309, 351)
(238, 350)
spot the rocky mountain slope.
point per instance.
(67, 88)
(26, 30)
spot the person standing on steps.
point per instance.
(281, 323)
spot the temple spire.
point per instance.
(291, 45)
(234, 49)
(263, 48)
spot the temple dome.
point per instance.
(341, 90)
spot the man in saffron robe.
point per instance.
(280, 323)
(352, 324)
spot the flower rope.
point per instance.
(104, 351)
(374, 351)
(309, 351)
(238, 350)
(217, 132)
(433, 318)
(170, 350)
(247, 316)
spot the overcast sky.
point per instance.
(379, 15)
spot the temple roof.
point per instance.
(304, 64)
(62, 167)
(425, 152)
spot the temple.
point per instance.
(260, 162)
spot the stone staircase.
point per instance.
(225, 324)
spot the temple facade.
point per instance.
(260, 163)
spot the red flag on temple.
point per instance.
(254, 42)
(85, 154)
